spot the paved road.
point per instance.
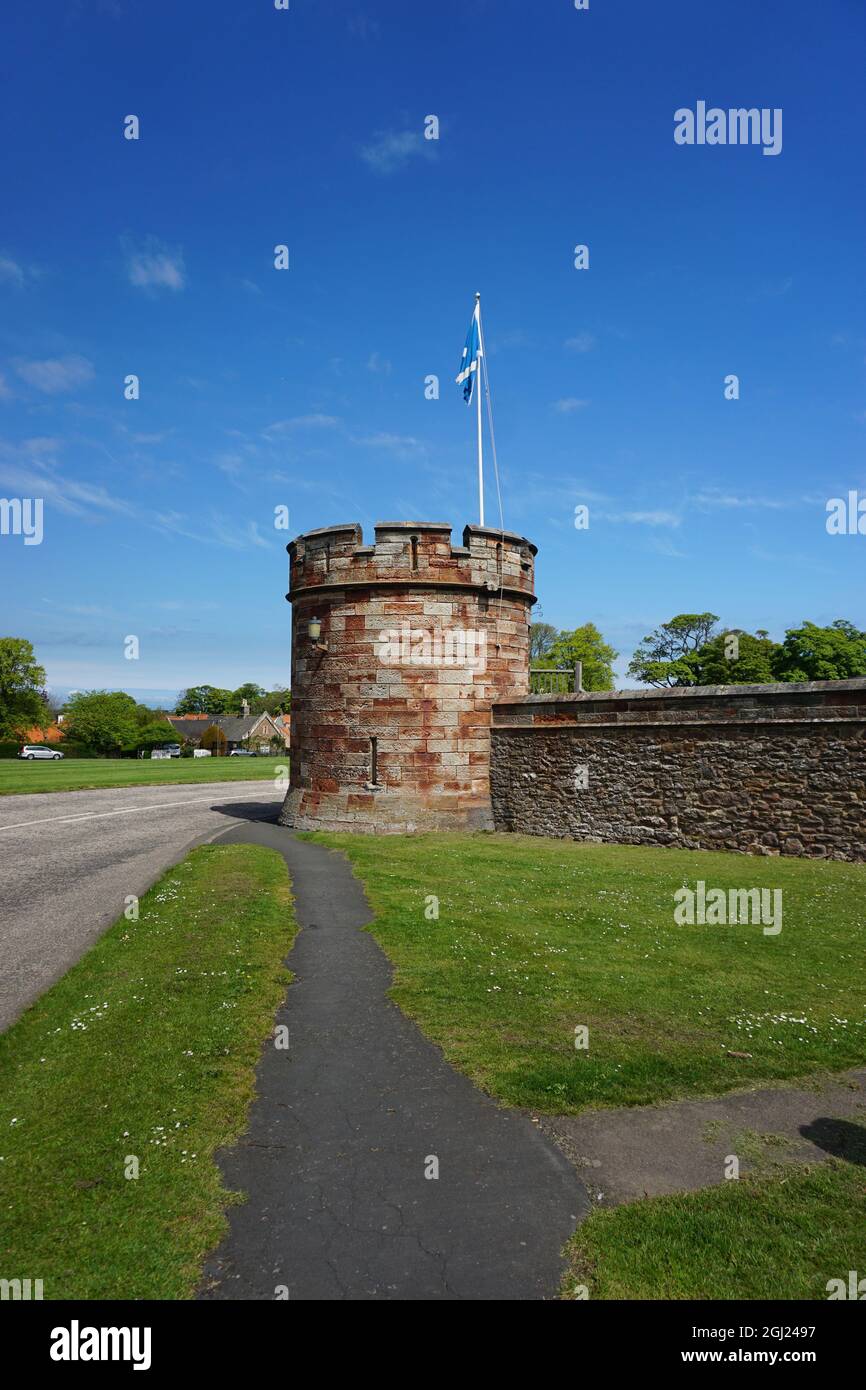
(346, 1123)
(69, 859)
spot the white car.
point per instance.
(40, 750)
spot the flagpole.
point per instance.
(478, 392)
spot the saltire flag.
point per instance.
(471, 359)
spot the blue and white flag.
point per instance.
(471, 359)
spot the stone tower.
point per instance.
(391, 697)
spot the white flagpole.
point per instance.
(478, 390)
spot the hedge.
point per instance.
(9, 749)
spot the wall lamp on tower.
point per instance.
(314, 632)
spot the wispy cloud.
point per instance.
(403, 445)
(150, 265)
(663, 546)
(714, 497)
(569, 404)
(212, 530)
(380, 365)
(149, 439)
(82, 610)
(54, 375)
(24, 469)
(541, 489)
(391, 150)
(303, 422)
(361, 26)
(651, 518)
(66, 494)
(38, 447)
(774, 289)
(230, 464)
(581, 342)
(13, 273)
(511, 338)
(5, 391)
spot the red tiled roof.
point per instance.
(53, 734)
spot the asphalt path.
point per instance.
(69, 861)
(374, 1171)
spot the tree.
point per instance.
(735, 657)
(812, 653)
(585, 644)
(541, 638)
(662, 658)
(215, 740)
(252, 693)
(152, 735)
(205, 699)
(22, 696)
(104, 721)
(277, 701)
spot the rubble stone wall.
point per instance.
(763, 769)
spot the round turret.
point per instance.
(399, 649)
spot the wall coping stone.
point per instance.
(619, 724)
(691, 692)
(799, 694)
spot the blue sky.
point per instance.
(305, 388)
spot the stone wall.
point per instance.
(777, 769)
(392, 671)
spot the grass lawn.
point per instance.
(146, 1048)
(761, 1237)
(536, 937)
(83, 774)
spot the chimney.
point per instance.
(245, 708)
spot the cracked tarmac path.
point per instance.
(345, 1120)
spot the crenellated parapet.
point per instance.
(414, 555)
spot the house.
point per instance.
(224, 732)
(52, 734)
(190, 727)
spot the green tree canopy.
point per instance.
(276, 701)
(663, 658)
(105, 721)
(211, 699)
(22, 697)
(541, 638)
(252, 693)
(734, 657)
(205, 699)
(153, 735)
(812, 653)
(587, 645)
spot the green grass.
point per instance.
(536, 937)
(82, 774)
(147, 1047)
(760, 1237)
